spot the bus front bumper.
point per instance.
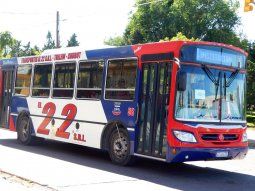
(196, 154)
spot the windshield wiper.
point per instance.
(229, 81)
(211, 76)
(231, 78)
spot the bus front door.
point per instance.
(154, 101)
(7, 84)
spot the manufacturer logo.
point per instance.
(221, 137)
(137, 49)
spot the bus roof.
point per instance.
(71, 49)
(79, 53)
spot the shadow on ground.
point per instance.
(185, 177)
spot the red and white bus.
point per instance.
(171, 101)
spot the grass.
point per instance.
(250, 118)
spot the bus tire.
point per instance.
(24, 131)
(119, 147)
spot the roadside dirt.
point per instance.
(30, 185)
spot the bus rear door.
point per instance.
(7, 88)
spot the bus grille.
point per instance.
(216, 137)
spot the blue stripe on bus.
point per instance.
(108, 53)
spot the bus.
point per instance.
(174, 101)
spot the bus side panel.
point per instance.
(75, 121)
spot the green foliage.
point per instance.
(10, 47)
(251, 76)
(50, 43)
(251, 119)
(6, 41)
(180, 36)
(29, 51)
(209, 20)
(73, 41)
(16, 49)
(115, 41)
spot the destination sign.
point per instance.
(213, 55)
(217, 57)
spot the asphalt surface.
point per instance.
(61, 166)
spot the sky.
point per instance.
(92, 20)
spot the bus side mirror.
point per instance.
(181, 81)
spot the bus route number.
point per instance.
(69, 111)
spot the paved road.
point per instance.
(60, 166)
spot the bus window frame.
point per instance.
(102, 82)
(15, 79)
(106, 73)
(32, 83)
(53, 77)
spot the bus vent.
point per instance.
(215, 137)
(210, 137)
(230, 137)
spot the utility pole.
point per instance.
(57, 31)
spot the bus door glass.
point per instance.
(154, 101)
(8, 81)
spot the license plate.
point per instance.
(222, 154)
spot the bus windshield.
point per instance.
(233, 98)
(207, 89)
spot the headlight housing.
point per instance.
(245, 137)
(185, 136)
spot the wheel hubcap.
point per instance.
(24, 130)
(120, 147)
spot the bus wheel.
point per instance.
(24, 130)
(119, 147)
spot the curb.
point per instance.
(21, 180)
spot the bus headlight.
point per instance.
(245, 137)
(185, 136)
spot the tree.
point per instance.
(211, 20)
(16, 49)
(27, 50)
(50, 43)
(6, 41)
(73, 41)
(115, 41)
(36, 50)
(179, 36)
(10, 47)
(251, 76)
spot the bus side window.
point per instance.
(23, 80)
(42, 80)
(89, 84)
(121, 78)
(63, 86)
